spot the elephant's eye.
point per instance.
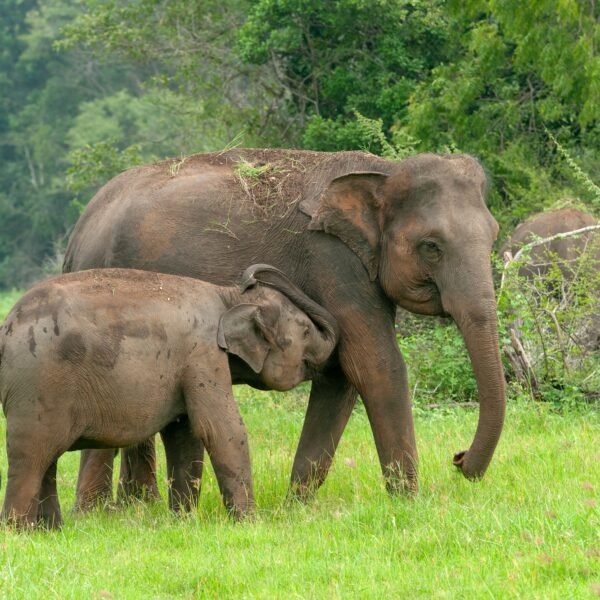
(430, 250)
(306, 332)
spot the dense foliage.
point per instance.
(90, 87)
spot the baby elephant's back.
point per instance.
(109, 327)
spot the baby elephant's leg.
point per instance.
(185, 459)
(30, 454)
(216, 420)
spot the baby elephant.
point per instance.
(106, 358)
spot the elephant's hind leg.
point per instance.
(94, 483)
(137, 478)
(185, 459)
(29, 457)
(20, 503)
(49, 515)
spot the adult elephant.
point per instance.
(552, 241)
(357, 233)
(567, 238)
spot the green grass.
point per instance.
(530, 529)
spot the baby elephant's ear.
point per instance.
(249, 331)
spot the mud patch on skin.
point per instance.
(31, 338)
(158, 331)
(106, 353)
(72, 348)
(36, 305)
(283, 343)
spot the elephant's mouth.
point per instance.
(310, 370)
(423, 298)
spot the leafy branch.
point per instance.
(578, 173)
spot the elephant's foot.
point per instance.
(49, 519)
(184, 499)
(240, 506)
(92, 499)
(307, 478)
(300, 492)
(131, 491)
(400, 480)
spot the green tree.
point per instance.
(33, 205)
(187, 49)
(333, 59)
(71, 111)
(521, 70)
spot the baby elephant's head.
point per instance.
(281, 333)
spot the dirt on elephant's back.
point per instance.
(131, 282)
(273, 181)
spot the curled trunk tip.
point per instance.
(271, 276)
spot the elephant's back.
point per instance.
(94, 233)
(100, 308)
(549, 223)
(195, 215)
(547, 226)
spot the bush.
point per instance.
(555, 317)
(439, 367)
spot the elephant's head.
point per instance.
(276, 329)
(424, 232)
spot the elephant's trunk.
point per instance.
(324, 321)
(478, 325)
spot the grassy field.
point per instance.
(531, 529)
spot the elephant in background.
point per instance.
(106, 358)
(563, 251)
(567, 252)
(358, 233)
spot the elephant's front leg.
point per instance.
(373, 363)
(137, 478)
(216, 420)
(330, 405)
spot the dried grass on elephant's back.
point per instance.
(272, 182)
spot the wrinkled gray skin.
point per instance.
(360, 235)
(106, 358)
(564, 252)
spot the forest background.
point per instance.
(89, 88)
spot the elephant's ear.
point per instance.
(349, 208)
(249, 331)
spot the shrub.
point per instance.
(556, 320)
